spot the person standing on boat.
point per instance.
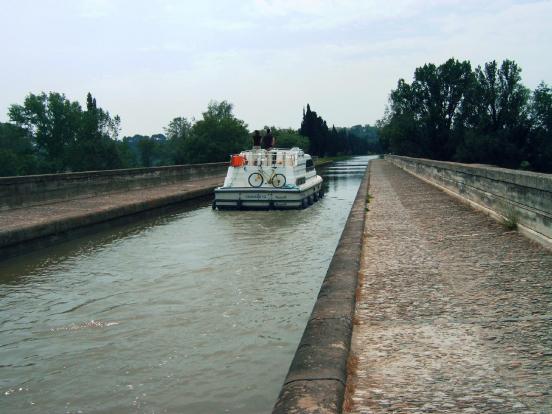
(268, 140)
(256, 140)
(268, 143)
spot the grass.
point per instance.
(511, 218)
(368, 198)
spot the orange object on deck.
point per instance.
(237, 161)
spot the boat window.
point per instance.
(300, 180)
(310, 165)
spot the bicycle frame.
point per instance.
(266, 177)
(264, 174)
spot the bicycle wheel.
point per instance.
(278, 180)
(255, 179)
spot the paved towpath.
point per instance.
(26, 223)
(454, 314)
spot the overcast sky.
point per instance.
(150, 61)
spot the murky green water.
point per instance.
(198, 311)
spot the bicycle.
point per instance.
(257, 179)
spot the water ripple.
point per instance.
(195, 311)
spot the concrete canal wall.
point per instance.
(516, 196)
(39, 210)
(316, 379)
(32, 190)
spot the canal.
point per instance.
(195, 311)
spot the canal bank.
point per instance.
(29, 228)
(37, 211)
(317, 377)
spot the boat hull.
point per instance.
(268, 198)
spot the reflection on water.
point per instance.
(198, 311)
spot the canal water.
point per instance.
(197, 311)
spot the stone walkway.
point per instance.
(454, 314)
(27, 223)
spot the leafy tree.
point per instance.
(540, 112)
(17, 155)
(126, 154)
(289, 138)
(53, 121)
(65, 137)
(178, 131)
(146, 148)
(431, 105)
(487, 116)
(362, 139)
(95, 146)
(496, 111)
(216, 136)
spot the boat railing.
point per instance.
(275, 157)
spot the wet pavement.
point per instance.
(454, 312)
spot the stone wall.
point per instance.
(518, 196)
(316, 379)
(38, 189)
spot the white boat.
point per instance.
(274, 179)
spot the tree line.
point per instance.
(323, 141)
(484, 115)
(48, 133)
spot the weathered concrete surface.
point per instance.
(20, 226)
(32, 190)
(316, 379)
(522, 196)
(455, 312)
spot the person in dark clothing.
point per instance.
(268, 140)
(256, 139)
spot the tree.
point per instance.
(65, 137)
(95, 147)
(178, 131)
(289, 138)
(17, 155)
(216, 136)
(496, 111)
(433, 102)
(450, 112)
(146, 147)
(316, 129)
(540, 112)
(53, 121)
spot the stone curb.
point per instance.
(317, 376)
(13, 242)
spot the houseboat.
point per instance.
(269, 179)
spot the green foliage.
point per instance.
(65, 137)
(540, 115)
(49, 133)
(358, 140)
(289, 138)
(218, 135)
(16, 151)
(53, 122)
(511, 218)
(316, 129)
(178, 130)
(451, 112)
